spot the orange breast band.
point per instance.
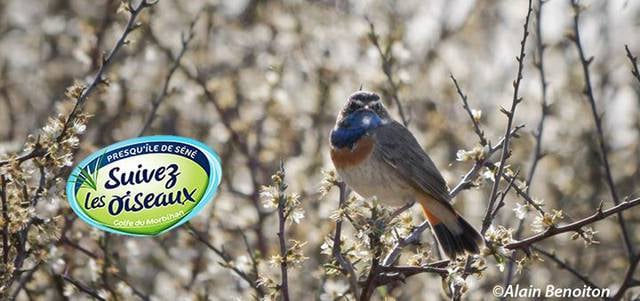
(346, 157)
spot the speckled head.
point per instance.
(363, 100)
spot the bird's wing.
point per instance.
(401, 151)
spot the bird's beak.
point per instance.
(365, 108)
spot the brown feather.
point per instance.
(346, 157)
(402, 152)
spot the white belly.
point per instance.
(375, 178)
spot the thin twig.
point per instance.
(387, 69)
(491, 212)
(155, 104)
(510, 116)
(389, 274)
(565, 266)
(537, 151)
(228, 261)
(503, 195)
(284, 281)
(628, 280)
(470, 176)
(345, 264)
(522, 193)
(5, 220)
(83, 288)
(98, 79)
(544, 110)
(252, 255)
(374, 271)
(634, 63)
(588, 92)
(465, 105)
(402, 209)
(575, 226)
(24, 279)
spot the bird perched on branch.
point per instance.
(377, 156)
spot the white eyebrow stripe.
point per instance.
(372, 103)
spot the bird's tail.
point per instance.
(454, 234)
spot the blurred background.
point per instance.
(262, 81)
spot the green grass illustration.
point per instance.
(89, 176)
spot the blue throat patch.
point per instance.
(355, 125)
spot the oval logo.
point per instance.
(144, 186)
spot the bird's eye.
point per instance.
(376, 106)
(353, 106)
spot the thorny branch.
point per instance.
(510, 116)
(5, 220)
(544, 111)
(465, 105)
(634, 63)
(575, 226)
(228, 261)
(565, 266)
(284, 279)
(83, 287)
(588, 92)
(387, 68)
(155, 103)
(345, 264)
(99, 78)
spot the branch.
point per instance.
(346, 265)
(634, 63)
(5, 220)
(84, 288)
(228, 261)
(35, 153)
(598, 123)
(389, 274)
(510, 115)
(565, 266)
(23, 281)
(628, 281)
(387, 66)
(98, 79)
(155, 104)
(522, 193)
(503, 195)
(491, 212)
(370, 283)
(470, 176)
(575, 226)
(544, 107)
(537, 152)
(465, 105)
(284, 281)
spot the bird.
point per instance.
(377, 156)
